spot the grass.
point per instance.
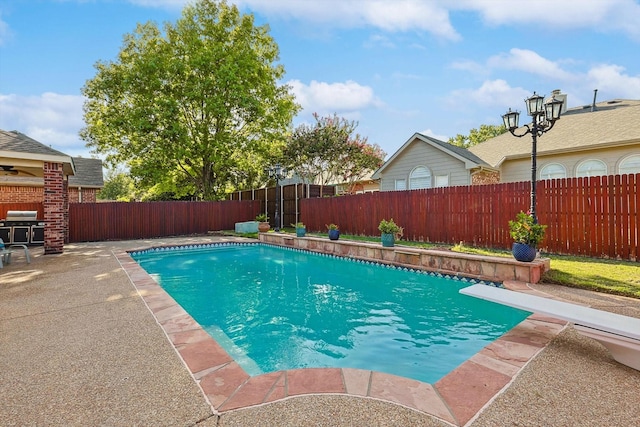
(595, 274)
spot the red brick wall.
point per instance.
(19, 194)
(54, 208)
(22, 194)
(485, 177)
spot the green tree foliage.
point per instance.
(195, 109)
(118, 186)
(329, 152)
(476, 136)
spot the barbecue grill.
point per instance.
(22, 227)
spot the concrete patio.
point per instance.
(79, 346)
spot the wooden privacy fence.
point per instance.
(289, 204)
(595, 216)
(121, 221)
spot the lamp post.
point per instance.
(279, 173)
(544, 116)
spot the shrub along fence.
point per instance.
(596, 216)
(122, 221)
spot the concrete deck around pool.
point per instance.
(79, 347)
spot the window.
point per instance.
(591, 168)
(630, 165)
(553, 171)
(442, 180)
(401, 184)
(420, 177)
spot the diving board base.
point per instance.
(624, 350)
(619, 334)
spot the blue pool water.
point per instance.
(275, 308)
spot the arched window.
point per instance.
(591, 168)
(420, 177)
(630, 165)
(553, 171)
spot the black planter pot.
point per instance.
(334, 234)
(523, 252)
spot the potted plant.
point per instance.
(390, 231)
(301, 230)
(526, 235)
(334, 231)
(263, 223)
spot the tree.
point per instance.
(329, 152)
(118, 185)
(186, 108)
(476, 136)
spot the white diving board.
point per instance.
(619, 334)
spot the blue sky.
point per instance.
(397, 67)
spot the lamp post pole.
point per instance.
(534, 167)
(277, 172)
(544, 116)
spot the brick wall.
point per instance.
(20, 194)
(24, 194)
(485, 177)
(83, 195)
(54, 208)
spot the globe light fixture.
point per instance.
(544, 115)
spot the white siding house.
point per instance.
(598, 139)
(425, 162)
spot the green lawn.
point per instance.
(602, 275)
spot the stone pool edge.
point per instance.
(456, 399)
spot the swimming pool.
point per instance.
(275, 308)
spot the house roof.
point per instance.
(26, 155)
(611, 123)
(20, 143)
(470, 159)
(88, 173)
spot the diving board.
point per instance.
(619, 334)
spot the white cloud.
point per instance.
(613, 82)
(5, 31)
(52, 119)
(529, 61)
(432, 16)
(322, 97)
(430, 133)
(492, 93)
(610, 15)
(379, 40)
(391, 16)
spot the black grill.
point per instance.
(22, 227)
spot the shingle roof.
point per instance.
(463, 152)
(88, 173)
(469, 158)
(611, 123)
(21, 143)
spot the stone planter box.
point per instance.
(494, 269)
